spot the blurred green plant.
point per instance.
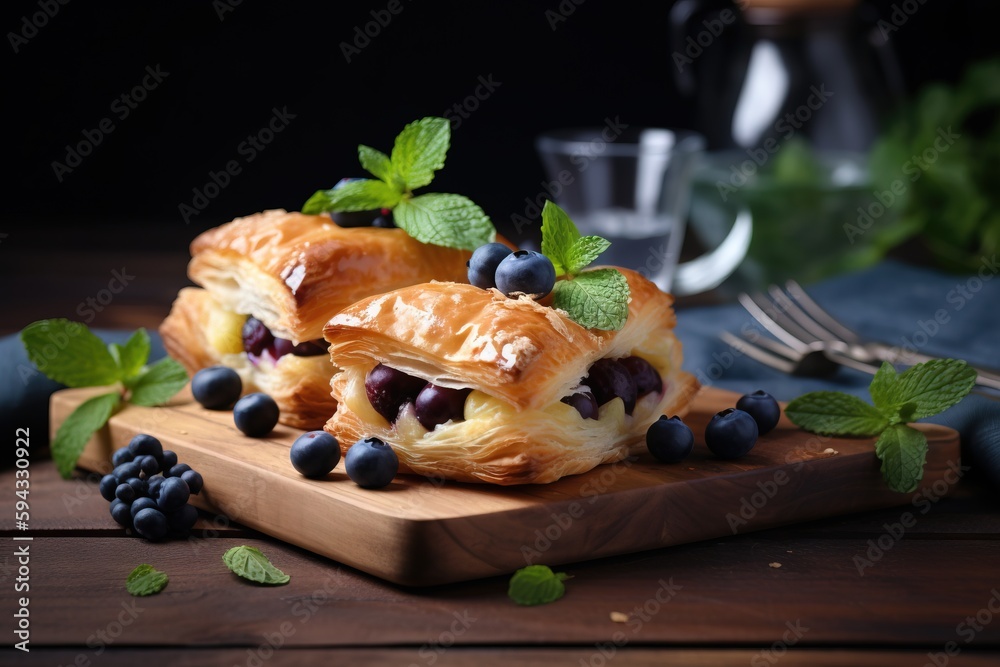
(950, 199)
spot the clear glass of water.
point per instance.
(632, 187)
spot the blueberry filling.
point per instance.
(258, 340)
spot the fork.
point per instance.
(795, 319)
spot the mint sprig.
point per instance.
(596, 299)
(418, 152)
(250, 563)
(536, 584)
(921, 391)
(69, 353)
(146, 580)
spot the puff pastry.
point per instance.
(519, 358)
(291, 271)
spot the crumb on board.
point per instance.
(774, 565)
(619, 617)
(831, 451)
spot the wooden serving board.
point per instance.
(420, 532)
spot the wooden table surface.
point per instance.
(925, 592)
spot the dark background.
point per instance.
(226, 76)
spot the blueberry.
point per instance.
(151, 524)
(121, 513)
(216, 387)
(584, 402)
(526, 272)
(141, 504)
(121, 456)
(169, 460)
(371, 463)
(483, 264)
(763, 408)
(194, 480)
(148, 465)
(143, 444)
(154, 486)
(139, 486)
(256, 336)
(436, 405)
(731, 433)
(314, 454)
(174, 492)
(608, 379)
(669, 440)
(384, 219)
(311, 348)
(182, 519)
(177, 470)
(389, 389)
(125, 471)
(108, 485)
(256, 414)
(125, 493)
(647, 380)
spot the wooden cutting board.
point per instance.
(420, 532)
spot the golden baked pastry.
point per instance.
(292, 272)
(519, 359)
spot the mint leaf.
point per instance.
(903, 450)
(72, 436)
(929, 388)
(133, 355)
(559, 235)
(363, 194)
(376, 163)
(250, 563)
(835, 413)
(882, 388)
(419, 151)
(584, 251)
(536, 584)
(146, 580)
(159, 383)
(594, 299)
(69, 353)
(447, 220)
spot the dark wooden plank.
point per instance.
(916, 592)
(493, 657)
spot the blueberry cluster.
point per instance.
(730, 434)
(513, 272)
(219, 387)
(149, 490)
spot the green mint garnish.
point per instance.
(69, 353)
(921, 391)
(536, 584)
(250, 563)
(595, 299)
(419, 151)
(146, 580)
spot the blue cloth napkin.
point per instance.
(916, 308)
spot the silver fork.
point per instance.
(795, 319)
